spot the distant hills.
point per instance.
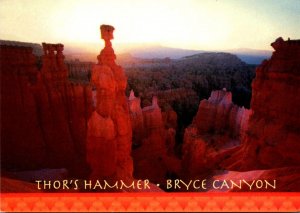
(249, 56)
(209, 59)
(89, 51)
(154, 51)
(162, 52)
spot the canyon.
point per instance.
(268, 133)
(75, 116)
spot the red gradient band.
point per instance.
(137, 202)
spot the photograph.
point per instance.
(150, 105)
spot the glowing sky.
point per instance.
(189, 24)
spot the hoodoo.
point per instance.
(218, 127)
(109, 135)
(154, 138)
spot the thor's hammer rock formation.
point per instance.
(109, 135)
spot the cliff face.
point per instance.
(273, 137)
(20, 134)
(65, 109)
(218, 127)
(44, 116)
(109, 135)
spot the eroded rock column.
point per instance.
(109, 135)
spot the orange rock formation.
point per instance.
(269, 146)
(273, 137)
(218, 126)
(155, 140)
(44, 115)
(109, 135)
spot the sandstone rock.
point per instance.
(170, 119)
(269, 133)
(64, 111)
(109, 129)
(193, 152)
(136, 118)
(101, 127)
(9, 185)
(152, 116)
(154, 157)
(170, 141)
(218, 114)
(215, 133)
(273, 130)
(44, 116)
(21, 137)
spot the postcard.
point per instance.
(167, 106)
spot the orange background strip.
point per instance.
(137, 202)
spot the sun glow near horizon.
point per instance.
(202, 24)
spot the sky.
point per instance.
(186, 24)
